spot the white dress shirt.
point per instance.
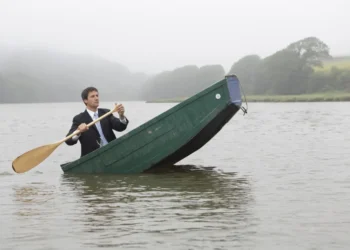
(91, 113)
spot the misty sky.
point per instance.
(156, 35)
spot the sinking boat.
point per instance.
(169, 137)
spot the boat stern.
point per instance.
(234, 89)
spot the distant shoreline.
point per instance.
(319, 97)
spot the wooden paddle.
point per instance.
(34, 157)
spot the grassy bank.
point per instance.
(337, 62)
(319, 97)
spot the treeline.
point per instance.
(304, 66)
(296, 69)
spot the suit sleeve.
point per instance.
(75, 125)
(117, 124)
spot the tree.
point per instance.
(282, 73)
(311, 51)
(288, 71)
(246, 70)
(208, 75)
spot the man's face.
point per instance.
(92, 100)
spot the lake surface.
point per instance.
(276, 178)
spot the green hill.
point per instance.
(51, 76)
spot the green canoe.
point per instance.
(170, 136)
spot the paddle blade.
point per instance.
(32, 158)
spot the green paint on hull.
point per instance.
(169, 137)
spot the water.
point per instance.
(277, 178)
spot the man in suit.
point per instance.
(99, 134)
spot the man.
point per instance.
(99, 134)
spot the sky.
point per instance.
(156, 35)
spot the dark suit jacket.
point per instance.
(90, 139)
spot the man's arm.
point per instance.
(117, 123)
(74, 127)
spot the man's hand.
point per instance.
(83, 127)
(120, 110)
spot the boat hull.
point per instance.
(169, 137)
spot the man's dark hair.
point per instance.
(85, 92)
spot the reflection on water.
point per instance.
(32, 197)
(176, 199)
(185, 181)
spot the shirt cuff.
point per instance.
(123, 120)
(76, 137)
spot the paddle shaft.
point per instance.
(89, 125)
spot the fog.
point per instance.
(156, 35)
(140, 50)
